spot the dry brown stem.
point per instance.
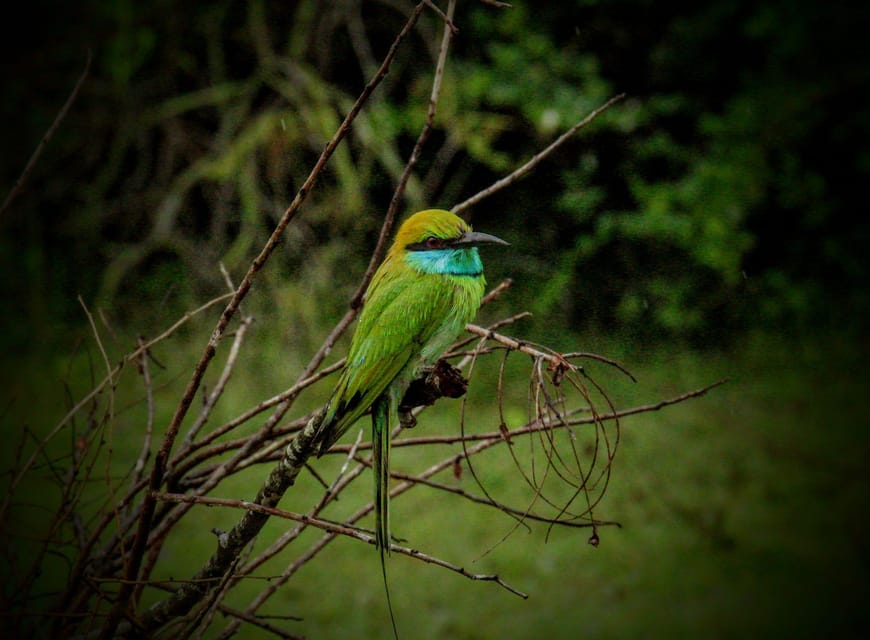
(49, 134)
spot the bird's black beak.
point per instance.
(476, 238)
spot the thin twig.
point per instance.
(19, 184)
(535, 159)
(440, 486)
(109, 369)
(139, 469)
(110, 411)
(219, 387)
(331, 527)
(448, 19)
(93, 393)
(496, 291)
(600, 358)
(259, 621)
(282, 398)
(536, 426)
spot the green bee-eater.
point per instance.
(427, 289)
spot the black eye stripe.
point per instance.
(431, 243)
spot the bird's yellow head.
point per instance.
(437, 241)
(432, 223)
(437, 229)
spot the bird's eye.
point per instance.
(434, 243)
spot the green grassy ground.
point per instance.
(743, 514)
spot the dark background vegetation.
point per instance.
(719, 209)
(722, 195)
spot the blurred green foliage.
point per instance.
(722, 194)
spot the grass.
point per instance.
(742, 512)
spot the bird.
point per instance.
(428, 287)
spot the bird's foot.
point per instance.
(407, 419)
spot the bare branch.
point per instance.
(93, 393)
(535, 159)
(219, 387)
(447, 18)
(162, 457)
(139, 469)
(399, 191)
(19, 184)
(334, 528)
(525, 514)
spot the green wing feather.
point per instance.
(403, 310)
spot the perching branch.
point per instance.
(232, 544)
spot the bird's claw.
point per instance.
(407, 419)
